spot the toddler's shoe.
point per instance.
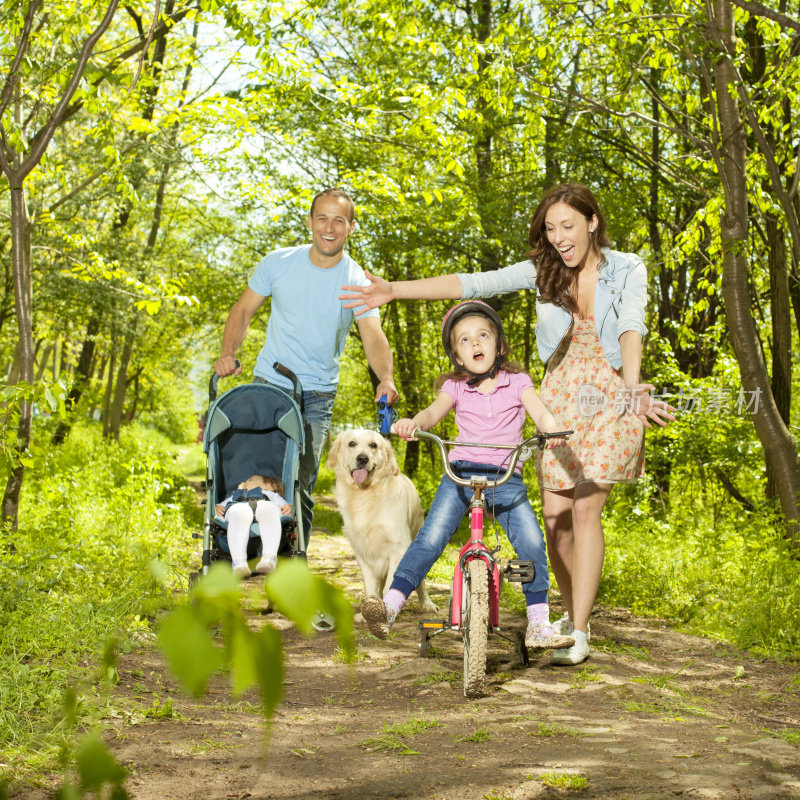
(266, 565)
(576, 654)
(544, 635)
(242, 570)
(378, 617)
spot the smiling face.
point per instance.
(570, 233)
(474, 342)
(330, 225)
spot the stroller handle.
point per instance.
(212, 384)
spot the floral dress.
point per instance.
(587, 395)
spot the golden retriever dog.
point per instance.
(379, 505)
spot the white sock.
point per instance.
(268, 517)
(538, 613)
(395, 599)
(239, 517)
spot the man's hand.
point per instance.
(286, 510)
(227, 365)
(378, 293)
(387, 388)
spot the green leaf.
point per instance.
(270, 668)
(299, 595)
(293, 590)
(189, 650)
(244, 658)
(96, 766)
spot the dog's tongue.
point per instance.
(359, 475)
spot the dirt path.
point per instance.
(652, 714)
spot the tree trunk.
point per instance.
(779, 446)
(120, 386)
(23, 298)
(781, 318)
(81, 380)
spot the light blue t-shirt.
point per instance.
(307, 328)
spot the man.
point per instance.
(308, 327)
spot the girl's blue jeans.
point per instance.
(512, 510)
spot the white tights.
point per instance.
(240, 516)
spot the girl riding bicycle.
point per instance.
(490, 397)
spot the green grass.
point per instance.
(613, 646)
(103, 542)
(548, 730)
(588, 674)
(564, 780)
(391, 738)
(481, 734)
(439, 677)
(328, 519)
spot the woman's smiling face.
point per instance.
(475, 343)
(570, 233)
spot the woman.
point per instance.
(590, 322)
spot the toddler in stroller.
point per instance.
(252, 430)
(258, 499)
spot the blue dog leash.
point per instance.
(387, 416)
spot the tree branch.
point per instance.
(757, 10)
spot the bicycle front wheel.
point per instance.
(475, 626)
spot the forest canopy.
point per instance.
(153, 153)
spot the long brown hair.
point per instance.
(555, 281)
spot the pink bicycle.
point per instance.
(478, 576)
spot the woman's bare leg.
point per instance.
(588, 549)
(557, 512)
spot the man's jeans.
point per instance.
(512, 510)
(317, 412)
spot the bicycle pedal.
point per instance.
(434, 624)
(520, 571)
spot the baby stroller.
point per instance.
(252, 429)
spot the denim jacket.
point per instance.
(619, 301)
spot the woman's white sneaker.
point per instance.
(570, 656)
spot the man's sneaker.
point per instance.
(242, 570)
(378, 616)
(564, 626)
(543, 635)
(267, 565)
(576, 654)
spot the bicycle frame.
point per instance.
(475, 607)
(475, 547)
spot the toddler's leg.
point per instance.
(239, 517)
(268, 517)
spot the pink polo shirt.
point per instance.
(494, 418)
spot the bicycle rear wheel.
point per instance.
(475, 626)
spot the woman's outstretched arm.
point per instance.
(379, 292)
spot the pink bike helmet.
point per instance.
(467, 309)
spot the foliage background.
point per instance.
(184, 161)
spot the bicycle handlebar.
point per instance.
(524, 448)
